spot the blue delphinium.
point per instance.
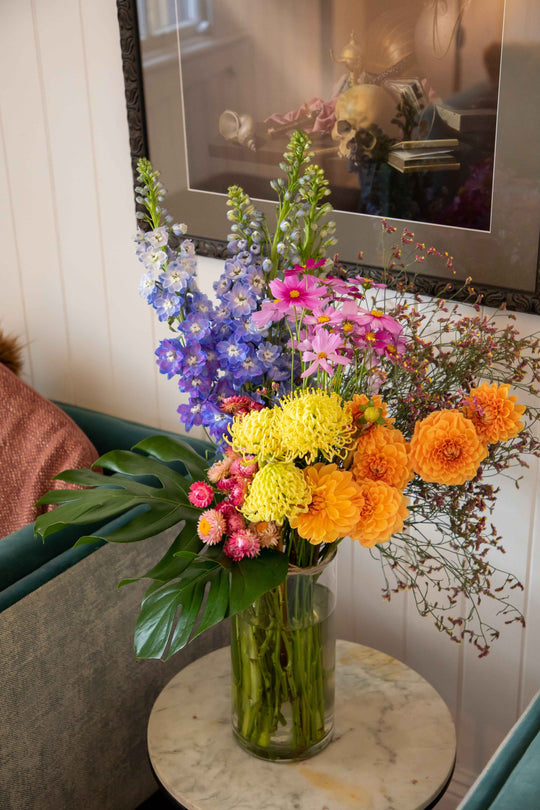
(216, 350)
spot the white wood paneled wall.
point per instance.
(69, 289)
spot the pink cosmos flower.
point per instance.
(294, 291)
(376, 319)
(211, 527)
(351, 318)
(201, 494)
(322, 316)
(267, 314)
(323, 352)
(242, 544)
(378, 341)
(309, 266)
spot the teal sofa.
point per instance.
(511, 779)
(75, 701)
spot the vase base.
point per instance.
(276, 752)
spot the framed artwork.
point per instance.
(425, 112)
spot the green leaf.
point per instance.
(154, 520)
(125, 461)
(60, 496)
(231, 588)
(169, 567)
(191, 604)
(250, 579)
(167, 449)
(91, 506)
(88, 478)
(217, 601)
(154, 625)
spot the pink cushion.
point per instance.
(37, 441)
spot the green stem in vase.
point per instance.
(280, 684)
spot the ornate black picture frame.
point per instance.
(517, 59)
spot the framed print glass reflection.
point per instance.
(425, 112)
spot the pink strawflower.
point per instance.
(219, 470)
(235, 522)
(297, 292)
(322, 352)
(238, 492)
(244, 467)
(225, 484)
(242, 544)
(235, 404)
(201, 494)
(211, 527)
(226, 509)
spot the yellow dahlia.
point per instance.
(494, 414)
(382, 454)
(278, 491)
(382, 514)
(446, 449)
(334, 508)
(311, 422)
(254, 434)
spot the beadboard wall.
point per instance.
(69, 290)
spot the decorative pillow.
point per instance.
(37, 441)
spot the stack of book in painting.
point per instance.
(421, 156)
(469, 120)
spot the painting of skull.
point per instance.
(365, 79)
(425, 112)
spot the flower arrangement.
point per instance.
(337, 408)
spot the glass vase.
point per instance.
(283, 666)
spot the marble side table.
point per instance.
(393, 748)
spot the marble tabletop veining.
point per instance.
(393, 747)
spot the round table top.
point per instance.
(394, 742)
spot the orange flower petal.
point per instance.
(494, 413)
(446, 449)
(334, 508)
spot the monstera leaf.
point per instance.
(208, 588)
(194, 586)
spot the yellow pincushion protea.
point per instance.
(278, 491)
(312, 422)
(255, 434)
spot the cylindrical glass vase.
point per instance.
(283, 666)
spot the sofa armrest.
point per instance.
(511, 779)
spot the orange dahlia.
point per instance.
(383, 511)
(446, 449)
(382, 454)
(363, 412)
(334, 508)
(494, 414)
